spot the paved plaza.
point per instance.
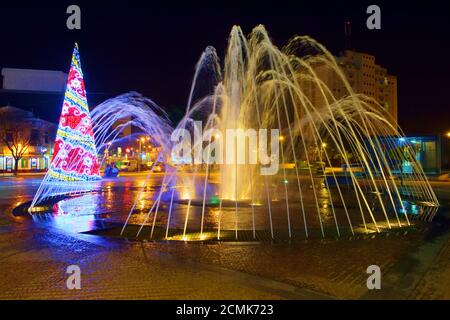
(34, 255)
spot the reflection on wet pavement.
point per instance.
(34, 253)
(112, 202)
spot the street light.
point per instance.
(324, 145)
(141, 141)
(108, 145)
(447, 134)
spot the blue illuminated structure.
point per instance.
(400, 151)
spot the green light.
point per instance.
(214, 200)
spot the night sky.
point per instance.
(152, 46)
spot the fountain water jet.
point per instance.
(263, 87)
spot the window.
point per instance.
(33, 163)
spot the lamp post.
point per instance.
(108, 145)
(323, 145)
(446, 160)
(139, 156)
(141, 141)
(147, 151)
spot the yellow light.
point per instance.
(448, 134)
(142, 139)
(281, 138)
(324, 145)
(185, 194)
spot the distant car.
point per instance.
(128, 165)
(156, 167)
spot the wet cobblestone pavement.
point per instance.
(34, 258)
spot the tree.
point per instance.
(15, 135)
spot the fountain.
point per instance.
(295, 191)
(263, 87)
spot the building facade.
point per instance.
(22, 129)
(365, 76)
(33, 80)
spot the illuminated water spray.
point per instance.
(75, 165)
(338, 168)
(260, 86)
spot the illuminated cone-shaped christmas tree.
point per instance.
(75, 155)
